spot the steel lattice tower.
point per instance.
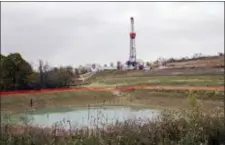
(132, 57)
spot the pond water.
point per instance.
(90, 116)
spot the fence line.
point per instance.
(127, 88)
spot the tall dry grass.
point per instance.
(192, 127)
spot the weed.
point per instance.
(193, 127)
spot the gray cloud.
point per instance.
(79, 33)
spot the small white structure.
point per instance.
(94, 70)
(146, 68)
(109, 68)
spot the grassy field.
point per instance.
(198, 118)
(164, 80)
(20, 103)
(206, 62)
(158, 72)
(170, 99)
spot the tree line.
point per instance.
(17, 74)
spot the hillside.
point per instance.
(214, 61)
(202, 66)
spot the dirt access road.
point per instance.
(126, 88)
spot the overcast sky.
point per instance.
(80, 33)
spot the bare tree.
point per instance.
(77, 73)
(41, 73)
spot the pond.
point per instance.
(89, 116)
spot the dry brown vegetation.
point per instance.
(207, 62)
(171, 128)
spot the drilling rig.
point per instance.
(132, 57)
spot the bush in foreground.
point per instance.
(193, 127)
